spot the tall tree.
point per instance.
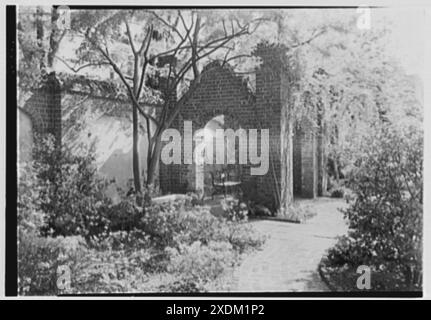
(357, 84)
(39, 39)
(164, 46)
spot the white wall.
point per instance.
(112, 138)
(25, 136)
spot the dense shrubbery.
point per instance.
(235, 209)
(65, 220)
(175, 224)
(386, 214)
(197, 264)
(39, 259)
(189, 243)
(340, 189)
(124, 216)
(337, 192)
(70, 193)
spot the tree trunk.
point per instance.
(153, 165)
(136, 167)
(40, 33)
(54, 39)
(286, 148)
(325, 160)
(286, 196)
(322, 157)
(286, 142)
(336, 172)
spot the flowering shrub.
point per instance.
(39, 259)
(69, 192)
(29, 216)
(235, 209)
(172, 225)
(124, 216)
(243, 237)
(198, 264)
(337, 192)
(177, 249)
(386, 215)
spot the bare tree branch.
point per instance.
(77, 69)
(188, 64)
(313, 37)
(129, 36)
(147, 39)
(167, 24)
(194, 43)
(105, 53)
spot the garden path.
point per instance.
(289, 259)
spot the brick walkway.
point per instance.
(289, 259)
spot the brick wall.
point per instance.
(44, 107)
(220, 92)
(271, 97)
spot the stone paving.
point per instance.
(288, 262)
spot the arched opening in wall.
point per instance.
(209, 171)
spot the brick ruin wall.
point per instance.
(222, 92)
(44, 108)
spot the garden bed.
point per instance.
(344, 279)
(175, 248)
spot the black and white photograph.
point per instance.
(235, 151)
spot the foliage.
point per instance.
(337, 190)
(337, 193)
(346, 80)
(124, 216)
(197, 264)
(158, 49)
(174, 224)
(39, 259)
(258, 210)
(235, 209)
(196, 199)
(243, 237)
(67, 191)
(29, 216)
(31, 51)
(298, 212)
(386, 216)
(39, 41)
(352, 82)
(173, 247)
